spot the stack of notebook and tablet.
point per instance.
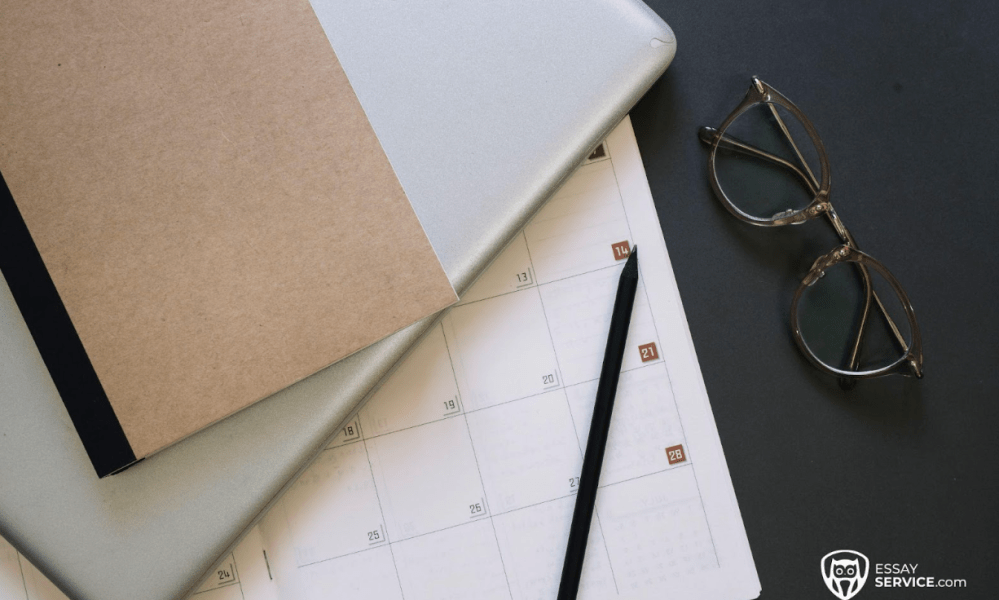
(227, 224)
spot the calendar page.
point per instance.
(457, 478)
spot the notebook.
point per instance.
(480, 131)
(210, 204)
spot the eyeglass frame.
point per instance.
(759, 93)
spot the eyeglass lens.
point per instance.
(767, 164)
(831, 311)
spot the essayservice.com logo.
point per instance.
(845, 572)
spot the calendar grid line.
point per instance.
(381, 511)
(478, 469)
(465, 410)
(669, 378)
(551, 337)
(494, 296)
(686, 464)
(647, 365)
(399, 541)
(235, 571)
(610, 563)
(334, 445)
(605, 486)
(24, 581)
(220, 587)
(580, 274)
(536, 284)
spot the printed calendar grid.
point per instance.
(340, 442)
(529, 284)
(389, 542)
(362, 438)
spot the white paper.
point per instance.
(457, 478)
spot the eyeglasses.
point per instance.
(850, 316)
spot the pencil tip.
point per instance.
(631, 267)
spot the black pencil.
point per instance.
(593, 458)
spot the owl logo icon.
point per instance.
(845, 572)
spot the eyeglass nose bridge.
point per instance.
(818, 270)
(818, 206)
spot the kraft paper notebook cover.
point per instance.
(211, 203)
(483, 109)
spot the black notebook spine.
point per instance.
(58, 343)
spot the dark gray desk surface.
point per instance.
(904, 95)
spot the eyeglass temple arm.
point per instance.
(872, 295)
(869, 294)
(708, 135)
(853, 364)
(790, 140)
